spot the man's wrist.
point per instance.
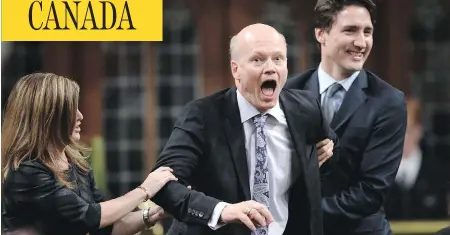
(221, 221)
(216, 220)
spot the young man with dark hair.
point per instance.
(367, 114)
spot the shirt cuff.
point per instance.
(213, 223)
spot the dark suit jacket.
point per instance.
(444, 231)
(206, 149)
(426, 199)
(34, 202)
(371, 125)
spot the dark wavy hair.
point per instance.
(325, 11)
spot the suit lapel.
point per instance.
(236, 139)
(352, 100)
(296, 121)
(313, 85)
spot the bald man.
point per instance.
(249, 151)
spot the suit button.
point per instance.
(200, 214)
(196, 213)
(189, 210)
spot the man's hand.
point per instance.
(246, 212)
(324, 150)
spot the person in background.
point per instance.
(419, 191)
(47, 185)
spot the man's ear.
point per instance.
(234, 69)
(320, 35)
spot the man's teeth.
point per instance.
(355, 53)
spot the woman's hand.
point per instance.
(157, 213)
(157, 179)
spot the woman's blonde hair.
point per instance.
(39, 119)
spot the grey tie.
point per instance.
(261, 177)
(332, 101)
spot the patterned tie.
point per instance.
(332, 100)
(261, 178)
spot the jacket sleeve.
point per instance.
(326, 132)
(34, 186)
(98, 197)
(380, 162)
(182, 153)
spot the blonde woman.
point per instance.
(48, 185)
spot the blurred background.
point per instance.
(132, 92)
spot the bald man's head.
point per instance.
(250, 34)
(259, 64)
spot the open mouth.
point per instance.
(268, 87)
(356, 55)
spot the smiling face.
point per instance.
(77, 129)
(347, 44)
(259, 65)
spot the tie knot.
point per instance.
(260, 120)
(333, 89)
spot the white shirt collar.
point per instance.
(248, 111)
(325, 80)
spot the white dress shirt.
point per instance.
(325, 81)
(279, 150)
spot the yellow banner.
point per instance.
(82, 20)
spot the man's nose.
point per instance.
(360, 41)
(270, 67)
